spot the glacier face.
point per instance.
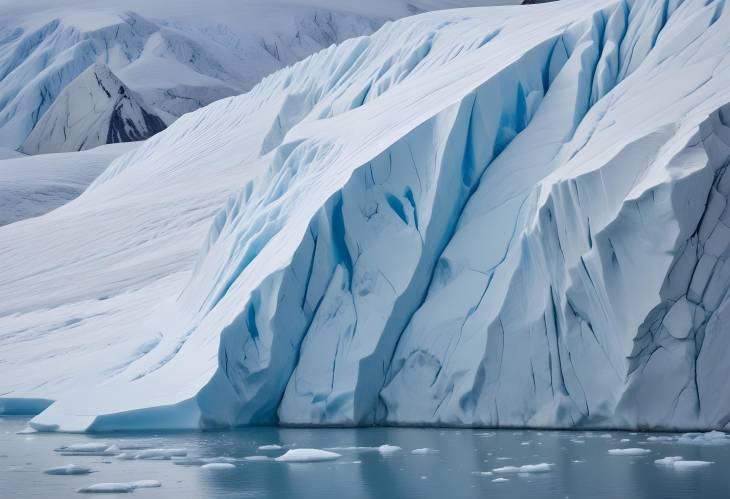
(493, 217)
(178, 56)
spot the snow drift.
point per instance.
(497, 217)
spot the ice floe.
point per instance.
(68, 469)
(307, 455)
(632, 451)
(527, 468)
(218, 466)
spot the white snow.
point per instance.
(31, 186)
(218, 466)
(527, 468)
(476, 217)
(68, 469)
(307, 455)
(632, 451)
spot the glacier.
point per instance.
(177, 56)
(503, 217)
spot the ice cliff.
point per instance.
(493, 217)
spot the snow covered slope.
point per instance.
(178, 56)
(94, 109)
(33, 185)
(502, 216)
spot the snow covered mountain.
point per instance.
(177, 56)
(94, 109)
(499, 216)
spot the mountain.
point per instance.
(176, 56)
(508, 216)
(31, 186)
(95, 109)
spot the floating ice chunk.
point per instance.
(525, 443)
(25, 431)
(624, 440)
(606, 435)
(69, 469)
(486, 473)
(89, 447)
(257, 458)
(632, 451)
(690, 465)
(146, 484)
(388, 449)
(504, 459)
(661, 439)
(126, 456)
(709, 438)
(500, 480)
(307, 455)
(577, 441)
(270, 447)
(107, 488)
(577, 461)
(161, 454)
(218, 466)
(424, 450)
(424, 477)
(527, 468)
(669, 460)
(485, 434)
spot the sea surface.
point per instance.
(457, 464)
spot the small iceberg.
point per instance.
(632, 451)
(107, 488)
(690, 465)
(307, 455)
(218, 466)
(527, 468)
(669, 460)
(89, 447)
(69, 469)
(388, 449)
(424, 450)
(257, 458)
(146, 484)
(500, 480)
(161, 454)
(270, 447)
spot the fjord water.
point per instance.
(582, 467)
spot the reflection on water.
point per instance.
(582, 467)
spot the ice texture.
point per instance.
(68, 469)
(484, 217)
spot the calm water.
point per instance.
(452, 472)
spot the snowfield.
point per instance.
(508, 216)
